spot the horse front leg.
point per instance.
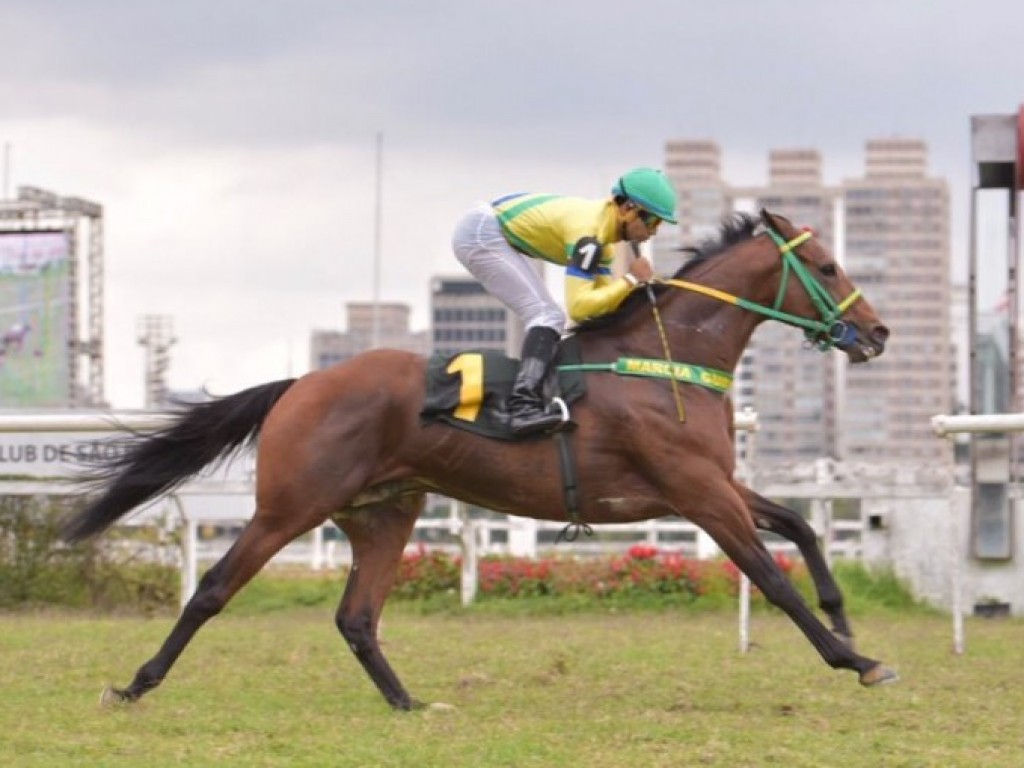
(378, 535)
(791, 525)
(723, 514)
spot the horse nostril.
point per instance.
(880, 334)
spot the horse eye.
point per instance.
(828, 270)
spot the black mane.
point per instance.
(734, 229)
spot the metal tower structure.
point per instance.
(156, 334)
(997, 164)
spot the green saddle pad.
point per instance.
(469, 390)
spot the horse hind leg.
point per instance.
(791, 525)
(260, 540)
(378, 535)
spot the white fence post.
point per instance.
(706, 546)
(189, 578)
(749, 424)
(960, 503)
(744, 613)
(469, 554)
(522, 537)
(316, 558)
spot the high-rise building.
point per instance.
(385, 323)
(464, 316)
(790, 385)
(896, 248)
(898, 252)
(793, 384)
(695, 169)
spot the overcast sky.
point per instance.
(232, 143)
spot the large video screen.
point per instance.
(35, 319)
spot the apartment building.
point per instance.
(464, 316)
(794, 384)
(895, 244)
(385, 323)
(898, 252)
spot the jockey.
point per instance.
(497, 241)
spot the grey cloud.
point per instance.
(557, 79)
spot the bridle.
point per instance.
(824, 333)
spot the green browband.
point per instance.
(718, 381)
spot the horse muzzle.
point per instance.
(859, 346)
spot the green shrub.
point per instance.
(642, 579)
(874, 588)
(114, 572)
(117, 572)
(423, 573)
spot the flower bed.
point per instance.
(643, 570)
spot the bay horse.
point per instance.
(347, 443)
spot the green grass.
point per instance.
(624, 689)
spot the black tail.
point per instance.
(155, 463)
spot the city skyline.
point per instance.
(233, 148)
(781, 162)
(892, 226)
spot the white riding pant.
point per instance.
(507, 274)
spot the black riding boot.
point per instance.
(526, 404)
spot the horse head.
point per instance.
(816, 294)
(769, 269)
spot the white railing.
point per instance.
(81, 422)
(472, 537)
(946, 426)
(48, 443)
(509, 537)
(475, 537)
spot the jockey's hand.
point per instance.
(641, 269)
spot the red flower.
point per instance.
(643, 552)
(784, 561)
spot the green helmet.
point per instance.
(651, 190)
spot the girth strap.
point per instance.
(570, 492)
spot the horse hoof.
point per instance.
(441, 708)
(408, 705)
(878, 675)
(112, 697)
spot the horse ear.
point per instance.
(768, 219)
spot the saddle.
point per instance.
(468, 390)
